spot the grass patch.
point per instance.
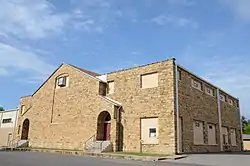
(140, 154)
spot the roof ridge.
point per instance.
(94, 74)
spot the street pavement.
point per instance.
(237, 159)
(49, 159)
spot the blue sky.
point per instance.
(211, 38)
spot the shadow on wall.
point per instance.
(120, 131)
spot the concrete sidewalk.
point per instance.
(102, 155)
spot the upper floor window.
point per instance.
(196, 84)
(111, 87)
(149, 80)
(8, 120)
(230, 101)
(62, 81)
(22, 109)
(102, 88)
(209, 91)
(178, 75)
(222, 97)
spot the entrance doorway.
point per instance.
(25, 130)
(103, 126)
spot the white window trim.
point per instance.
(198, 122)
(208, 88)
(108, 90)
(224, 98)
(66, 83)
(214, 125)
(230, 102)
(199, 83)
(148, 74)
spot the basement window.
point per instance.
(7, 120)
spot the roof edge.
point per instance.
(183, 68)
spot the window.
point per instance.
(102, 88)
(209, 91)
(196, 84)
(233, 137)
(230, 101)
(222, 97)
(149, 130)
(152, 132)
(22, 109)
(198, 131)
(62, 81)
(149, 80)
(211, 131)
(7, 120)
(225, 135)
(178, 75)
(111, 87)
(18, 129)
(237, 104)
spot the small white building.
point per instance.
(8, 120)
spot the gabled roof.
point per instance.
(85, 71)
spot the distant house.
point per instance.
(7, 126)
(246, 141)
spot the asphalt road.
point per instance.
(50, 159)
(237, 159)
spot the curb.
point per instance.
(101, 155)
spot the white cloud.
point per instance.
(3, 72)
(182, 2)
(175, 20)
(135, 52)
(240, 7)
(30, 19)
(17, 61)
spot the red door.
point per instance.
(106, 131)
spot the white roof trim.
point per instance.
(110, 100)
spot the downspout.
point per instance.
(177, 108)
(241, 130)
(220, 123)
(15, 128)
(1, 112)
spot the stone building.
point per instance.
(156, 108)
(7, 126)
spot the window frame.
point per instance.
(179, 75)
(7, 120)
(147, 74)
(198, 126)
(215, 133)
(194, 81)
(222, 98)
(108, 87)
(210, 89)
(230, 101)
(150, 133)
